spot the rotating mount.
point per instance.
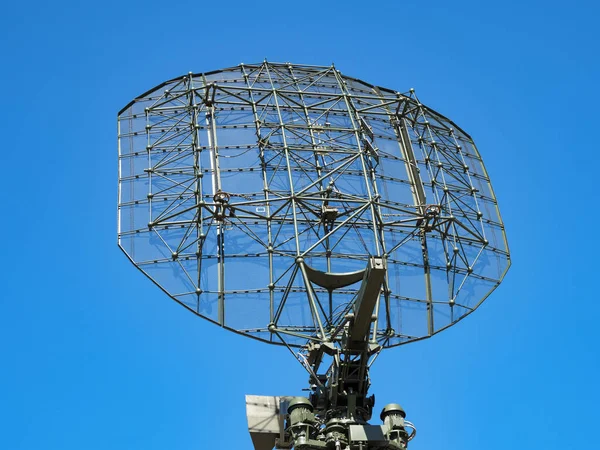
(336, 414)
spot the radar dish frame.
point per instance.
(292, 178)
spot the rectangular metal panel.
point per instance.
(373, 434)
(265, 419)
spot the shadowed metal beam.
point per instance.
(367, 299)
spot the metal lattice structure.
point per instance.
(255, 196)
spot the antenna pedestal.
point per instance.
(335, 415)
(293, 423)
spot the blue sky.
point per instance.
(93, 356)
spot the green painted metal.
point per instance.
(306, 208)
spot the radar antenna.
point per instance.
(305, 208)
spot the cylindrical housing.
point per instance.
(300, 410)
(393, 416)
